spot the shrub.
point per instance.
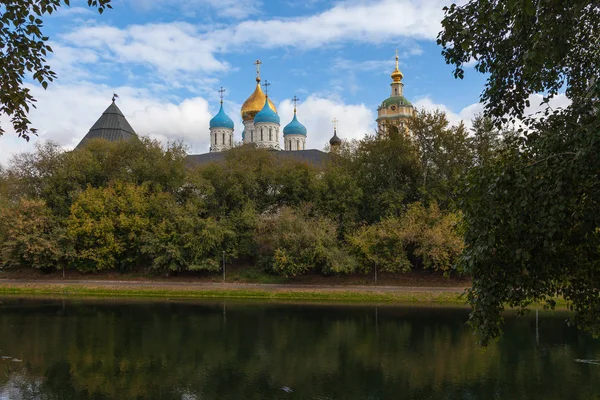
(292, 243)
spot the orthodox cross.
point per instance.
(335, 121)
(221, 91)
(396, 58)
(258, 63)
(266, 85)
(295, 101)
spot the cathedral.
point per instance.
(262, 125)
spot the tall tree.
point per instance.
(23, 51)
(533, 214)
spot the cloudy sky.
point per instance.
(167, 59)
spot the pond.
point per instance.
(76, 349)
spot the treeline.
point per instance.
(386, 202)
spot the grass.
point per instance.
(281, 295)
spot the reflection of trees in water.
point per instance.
(167, 350)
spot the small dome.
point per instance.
(294, 127)
(221, 120)
(335, 140)
(266, 115)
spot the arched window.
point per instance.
(252, 135)
(223, 138)
(215, 137)
(230, 140)
(396, 91)
(261, 135)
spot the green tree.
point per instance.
(292, 243)
(445, 155)
(30, 236)
(532, 215)
(388, 173)
(425, 235)
(56, 176)
(106, 226)
(24, 51)
(180, 240)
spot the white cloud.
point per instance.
(170, 48)
(177, 47)
(370, 22)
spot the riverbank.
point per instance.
(187, 290)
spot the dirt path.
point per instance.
(118, 284)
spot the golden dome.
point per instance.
(255, 103)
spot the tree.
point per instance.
(24, 51)
(525, 47)
(292, 243)
(107, 224)
(30, 236)
(445, 154)
(533, 214)
(424, 234)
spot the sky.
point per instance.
(167, 59)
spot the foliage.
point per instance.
(525, 47)
(532, 213)
(24, 51)
(423, 232)
(31, 236)
(388, 172)
(58, 176)
(291, 243)
(445, 153)
(182, 240)
(106, 225)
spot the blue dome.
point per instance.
(221, 120)
(294, 128)
(266, 115)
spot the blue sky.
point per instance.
(167, 59)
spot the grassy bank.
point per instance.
(312, 294)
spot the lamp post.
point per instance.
(223, 265)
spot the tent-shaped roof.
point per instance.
(111, 126)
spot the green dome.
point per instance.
(399, 101)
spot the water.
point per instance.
(230, 350)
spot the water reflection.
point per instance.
(218, 350)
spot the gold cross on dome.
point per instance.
(295, 101)
(221, 91)
(266, 85)
(335, 121)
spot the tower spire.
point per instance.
(396, 74)
(258, 64)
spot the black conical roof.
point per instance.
(111, 126)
